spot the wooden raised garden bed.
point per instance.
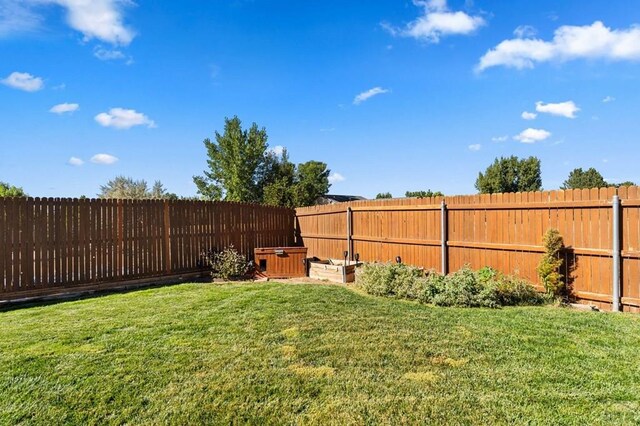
(333, 270)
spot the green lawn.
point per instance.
(283, 353)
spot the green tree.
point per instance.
(278, 179)
(383, 196)
(312, 181)
(122, 187)
(510, 175)
(7, 190)
(423, 194)
(584, 179)
(236, 163)
(625, 183)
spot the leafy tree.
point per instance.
(278, 180)
(236, 163)
(312, 181)
(241, 168)
(423, 194)
(383, 196)
(510, 175)
(625, 183)
(584, 179)
(7, 190)
(126, 188)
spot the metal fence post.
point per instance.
(616, 254)
(350, 232)
(443, 237)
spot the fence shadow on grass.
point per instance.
(93, 294)
(568, 269)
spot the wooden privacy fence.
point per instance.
(503, 231)
(48, 245)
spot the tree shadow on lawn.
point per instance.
(91, 294)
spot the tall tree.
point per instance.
(286, 185)
(312, 181)
(122, 187)
(384, 196)
(236, 160)
(510, 175)
(278, 180)
(7, 190)
(584, 179)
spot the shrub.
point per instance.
(227, 264)
(429, 287)
(466, 288)
(513, 291)
(463, 288)
(549, 266)
(389, 279)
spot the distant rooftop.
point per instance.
(333, 199)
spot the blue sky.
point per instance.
(393, 95)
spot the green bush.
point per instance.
(513, 291)
(465, 288)
(390, 280)
(227, 264)
(430, 286)
(549, 266)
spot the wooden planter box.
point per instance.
(281, 262)
(333, 270)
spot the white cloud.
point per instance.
(108, 54)
(99, 19)
(608, 99)
(436, 22)
(64, 108)
(278, 150)
(123, 119)
(23, 81)
(563, 109)
(17, 17)
(336, 177)
(500, 138)
(75, 161)
(593, 41)
(525, 31)
(369, 94)
(526, 115)
(532, 135)
(475, 147)
(105, 159)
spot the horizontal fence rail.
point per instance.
(503, 231)
(48, 245)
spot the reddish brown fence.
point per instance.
(51, 244)
(499, 230)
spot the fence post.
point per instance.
(616, 254)
(443, 237)
(167, 238)
(350, 232)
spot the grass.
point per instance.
(312, 354)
